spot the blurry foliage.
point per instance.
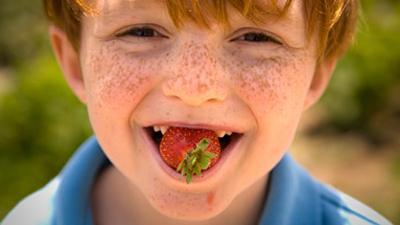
(41, 124)
(22, 26)
(364, 94)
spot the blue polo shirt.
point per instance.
(294, 197)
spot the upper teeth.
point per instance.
(222, 133)
(163, 129)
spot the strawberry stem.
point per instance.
(196, 160)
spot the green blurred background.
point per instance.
(350, 139)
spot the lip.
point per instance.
(205, 175)
(198, 126)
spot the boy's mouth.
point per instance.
(227, 141)
(157, 132)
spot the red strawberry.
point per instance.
(190, 151)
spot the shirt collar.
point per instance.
(72, 200)
(292, 198)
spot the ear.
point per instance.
(68, 59)
(322, 75)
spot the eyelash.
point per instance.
(141, 32)
(148, 32)
(257, 37)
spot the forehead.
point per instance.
(201, 12)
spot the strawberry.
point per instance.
(190, 151)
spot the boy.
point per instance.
(193, 106)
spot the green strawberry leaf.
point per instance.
(204, 162)
(184, 170)
(196, 160)
(180, 166)
(210, 155)
(197, 169)
(188, 178)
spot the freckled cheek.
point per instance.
(273, 88)
(118, 83)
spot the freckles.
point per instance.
(259, 81)
(116, 77)
(196, 71)
(268, 83)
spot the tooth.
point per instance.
(229, 133)
(156, 128)
(163, 129)
(220, 133)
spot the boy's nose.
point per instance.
(196, 76)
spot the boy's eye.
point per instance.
(257, 37)
(140, 32)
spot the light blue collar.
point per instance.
(293, 197)
(72, 200)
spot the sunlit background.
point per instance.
(351, 139)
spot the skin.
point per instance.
(192, 75)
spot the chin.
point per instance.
(186, 209)
(187, 206)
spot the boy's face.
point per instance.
(232, 80)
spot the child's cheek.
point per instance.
(273, 85)
(117, 81)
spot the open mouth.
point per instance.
(224, 139)
(228, 141)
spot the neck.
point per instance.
(117, 201)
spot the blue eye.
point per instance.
(141, 32)
(257, 37)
